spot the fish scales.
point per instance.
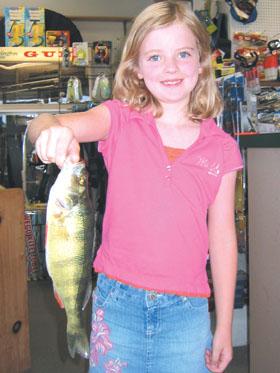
(69, 249)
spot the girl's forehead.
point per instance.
(169, 35)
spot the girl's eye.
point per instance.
(184, 54)
(154, 58)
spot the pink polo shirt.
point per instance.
(154, 230)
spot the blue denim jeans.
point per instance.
(141, 331)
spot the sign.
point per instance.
(26, 54)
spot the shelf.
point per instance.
(264, 140)
(20, 109)
(270, 83)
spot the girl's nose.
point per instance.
(171, 65)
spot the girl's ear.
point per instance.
(138, 73)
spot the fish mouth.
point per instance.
(73, 168)
(69, 163)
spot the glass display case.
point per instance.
(34, 82)
(29, 87)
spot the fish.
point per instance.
(69, 249)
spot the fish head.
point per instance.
(70, 187)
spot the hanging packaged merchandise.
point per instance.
(271, 67)
(96, 88)
(80, 53)
(274, 46)
(74, 90)
(65, 57)
(101, 88)
(105, 89)
(219, 38)
(206, 21)
(14, 26)
(243, 11)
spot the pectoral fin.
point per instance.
(58, 299)
(88, 294)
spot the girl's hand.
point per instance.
(57, 143)
(221, 354)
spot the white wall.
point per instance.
(104, 8)
(112, 8)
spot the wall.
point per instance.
(104, 8)
(267, 20)
(112, 8)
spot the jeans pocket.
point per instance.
(198, 303)
(103, 291)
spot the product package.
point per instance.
(35, 27)
(57, 38)
(74, 90)
(14, 26)
(80, 53)
(102, 88)
(102, 52)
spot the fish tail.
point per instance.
(78, 343)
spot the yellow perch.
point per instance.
(69, 244)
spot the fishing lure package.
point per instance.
(102, 52)
(14, 26)
(35, 27)
(74, 90)
(232, 91)
(58, 38)
(102, 88)
(80, 53)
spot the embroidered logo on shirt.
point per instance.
(213, 168)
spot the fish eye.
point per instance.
(82, 180)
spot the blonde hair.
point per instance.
(204, 100)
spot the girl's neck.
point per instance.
(174, 116)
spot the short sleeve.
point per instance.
(232, 159)
(106, 147)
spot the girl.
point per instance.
(170, 200)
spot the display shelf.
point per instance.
(264, 140)
(19, 109)
(270, 83)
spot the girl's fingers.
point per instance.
(40, 147)
(216, 364)
(55, 144)
(74, 151)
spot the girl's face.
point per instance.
(169, 63)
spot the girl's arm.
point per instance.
(223, 259)
(58, 136)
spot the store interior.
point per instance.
(69, 66)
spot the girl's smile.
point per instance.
(172, 82)
(169, 65)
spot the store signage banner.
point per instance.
(41, 54)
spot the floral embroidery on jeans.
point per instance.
(114, 366)
(99, 339)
